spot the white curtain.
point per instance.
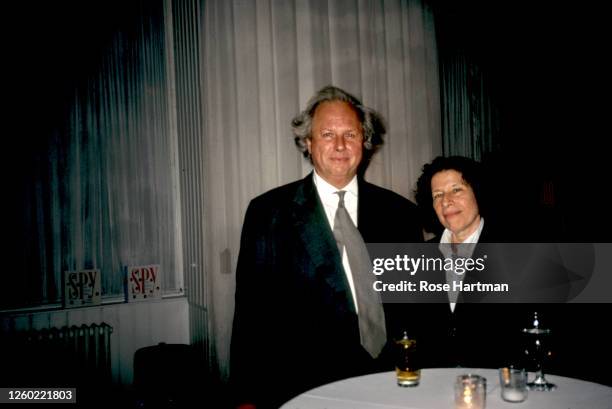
(183, 118)
(99, 182)
(262, 60)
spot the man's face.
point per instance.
(336, 142)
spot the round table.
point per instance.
(380, 391)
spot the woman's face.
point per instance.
(455, 204)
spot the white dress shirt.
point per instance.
(329, 199)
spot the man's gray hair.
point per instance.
(371, 122)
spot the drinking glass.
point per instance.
(406, 362)
(513, 383)
(538, 351)
(470, 392)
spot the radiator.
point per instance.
(67, 356)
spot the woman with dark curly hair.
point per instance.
(450, 197)
(450, 189)
(476, 331)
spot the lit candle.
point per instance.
(467, 397)
(513, 384)
(470, 392)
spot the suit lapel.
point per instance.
(316, 235)
(476, 276)
(366, 225)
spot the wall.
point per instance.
(134, 325)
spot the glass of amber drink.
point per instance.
(407, 367)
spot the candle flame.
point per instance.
(506, 375)
(467, 395)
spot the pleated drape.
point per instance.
(104, 193)
(182, 117)
(470, 116)
(262, 61)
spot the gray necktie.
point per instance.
(372, 329)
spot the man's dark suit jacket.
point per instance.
(295, 325)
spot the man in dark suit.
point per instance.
(297, 322)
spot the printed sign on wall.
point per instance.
(143, 283)
(82, 288)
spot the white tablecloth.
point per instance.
(380, 391)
